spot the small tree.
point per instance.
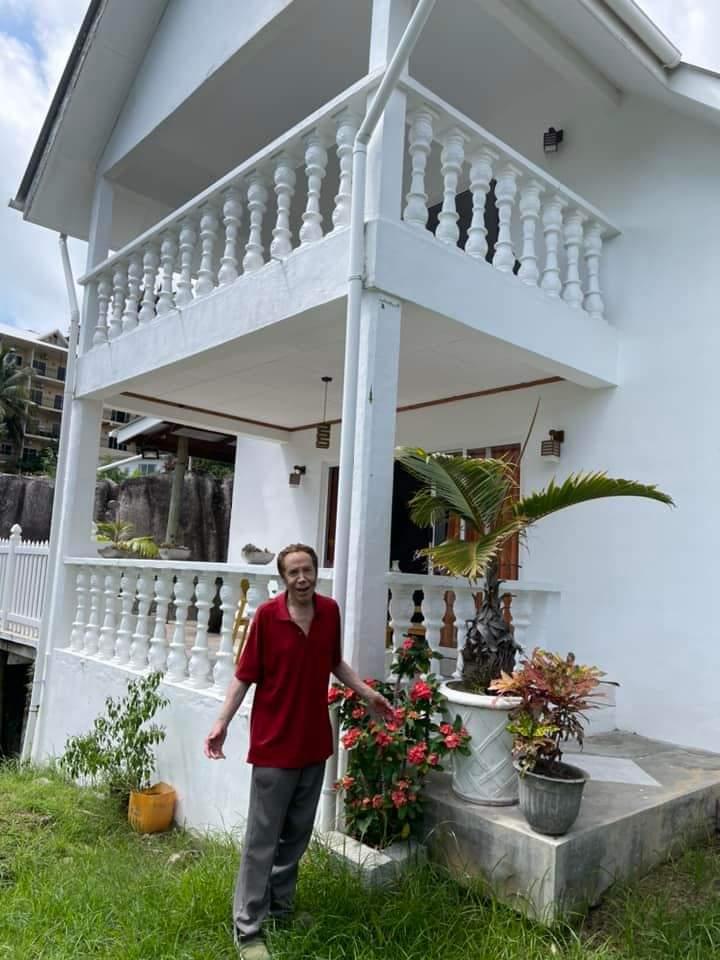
(14, 398)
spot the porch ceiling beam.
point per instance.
(190, 416)
(533, 31)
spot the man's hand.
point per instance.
(378, 706)
(215, 740)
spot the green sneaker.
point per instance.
(254, 950)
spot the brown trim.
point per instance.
(457, 398)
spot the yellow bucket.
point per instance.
(151, 810)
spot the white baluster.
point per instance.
(572, 291)
(464, 610)
(529, 214)
(257, 593)
(177, 657)
(125, 630)
(284, 178)
(315, 164)
(134, 273)
(433, 609)
(118, 300)
(347, 126)
(481, 172)
(92, 630)
(199, 666)
(188, 239)
(224, 665)
(419, 145)
(257, 202)
(104, 289)
(594, 303)
(402, 609)
(232, 215)
(77, 636)
(106, 646)
(451, 159)
(552, 226)
(157, 657)
(208, 236)
(168, 252)
(521, 614)
(151, 262)
(505, 192)
(141, 637)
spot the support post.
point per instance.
(9, 579)
(176, 491)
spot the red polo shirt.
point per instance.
(290, 724)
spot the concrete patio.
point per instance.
(645, 801)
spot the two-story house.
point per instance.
(205, 152)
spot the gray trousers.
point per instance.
(280, 822)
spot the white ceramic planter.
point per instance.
(259, 557)
(110, 552)
(486, 776)
(174, 553)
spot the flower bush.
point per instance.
(389, 760)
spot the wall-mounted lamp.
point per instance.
(552, 139)
(550, 449)
(296, 476)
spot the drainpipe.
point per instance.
(392, 74)
(42, 654)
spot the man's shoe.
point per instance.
(254, 949)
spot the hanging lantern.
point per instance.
(322, 431)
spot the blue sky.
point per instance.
(35, 40)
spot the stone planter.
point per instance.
(487, 776)
(110, 552)
(174, 553)
(258, 557)
(551, 805)
(375, 867)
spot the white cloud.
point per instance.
(35, 41)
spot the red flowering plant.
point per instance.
(389, 760)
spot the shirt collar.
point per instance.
(284, 613)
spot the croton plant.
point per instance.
(389, 760)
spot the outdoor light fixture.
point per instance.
(322, 431)
(552, 139)
(296, 476)
(550, 449)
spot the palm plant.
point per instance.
(14, 398)
(119, 534)
(481, 492)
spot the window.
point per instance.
(58, 402)
(40, 367)
(36, 397)
(6, 449)
(18, 360)
(61, 373)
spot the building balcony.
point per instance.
(483, 240)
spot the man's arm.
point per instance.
(351, 678)
(233, 699)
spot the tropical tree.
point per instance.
(482, 493)
(14, 398)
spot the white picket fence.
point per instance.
(23, 574)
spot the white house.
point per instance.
(204, 151)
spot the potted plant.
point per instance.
(256, 555)
(115, 539)
(483, 493)
(551, 694)
(174, 551)
(118, 754)
(389, 760)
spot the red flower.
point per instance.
(446, 728)
(358, 713)
(453, 741)
(366, 801)
(413, 715)
(408, 643)
(347, 782)
(433, 759)
(334, 693)
(398, 798)
(370, 682)
(351, 738)
(421, 691)
(383, 739)
(391, 726)
(378, 801)
(399, 715)
(417, 753)
(463, 732)
(349, 694)
(402, 784)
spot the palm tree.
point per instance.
(14, 398)
(480, 492)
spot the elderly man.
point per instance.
(292, 647)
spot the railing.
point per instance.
(558, 236)
(23, 573)
(198, 248)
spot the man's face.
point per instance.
(299, 577)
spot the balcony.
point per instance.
(480, 224)
(41, 372)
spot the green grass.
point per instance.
(77, 884)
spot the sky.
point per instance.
(35, 40)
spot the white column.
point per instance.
(505, 193)
(232, 216)
(420, 139)
(199, 666)
(451, 160)
(284, 178)
(402, 608)
(97, 251)
(177, 658)
(223, 670)
(433, 609)
(77, 637)
(254, 257)
(369, 540)
(572, 291)
(157, 656)
(315, 166)
(593, 302)
(151, 261)
(347, 126)
(141, 638)
(529, 213)
(188, 239)
(481, 172)
(552, 228)
(106, 646)
(127, 620)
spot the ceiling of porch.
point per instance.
(274, 375)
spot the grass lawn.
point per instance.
(77, 884)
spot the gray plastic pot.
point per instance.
(551, 805)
